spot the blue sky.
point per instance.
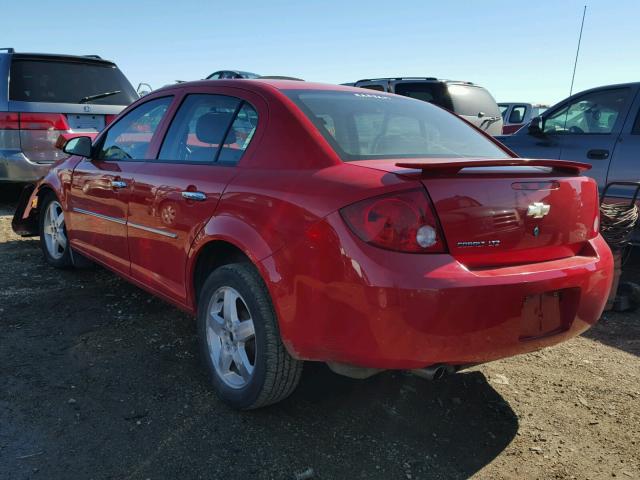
(519, 50)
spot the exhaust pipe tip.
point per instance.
(434, 372)
(439, 373)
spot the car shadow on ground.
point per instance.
(450, 428)
(621, 329)
(101, 380)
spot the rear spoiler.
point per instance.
(454, 165)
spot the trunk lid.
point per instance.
(507, 211)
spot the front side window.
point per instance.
(593, 113)
(130, 137)
(517, 114)
(362, 126)
(209, 128)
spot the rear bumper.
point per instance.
(16, 167)
(344, 301)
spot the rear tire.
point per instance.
(240, 341)
(53, 232)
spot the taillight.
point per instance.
(43, 121)
(9, 121)
(33, 121)
(402, 221)
(108, 119)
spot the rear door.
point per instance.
(66, 94)
(585, 129)
(175, 194)
(516, 118)
(101, 186)
(625, 161)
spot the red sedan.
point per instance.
(302, 221)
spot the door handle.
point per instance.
(197, 196)
(598, 154)
(118, 184)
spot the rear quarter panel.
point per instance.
(262, 210)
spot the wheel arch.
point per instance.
(210, 255)
(224, 239)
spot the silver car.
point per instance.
(44, 95)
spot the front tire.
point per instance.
(53, 232)
(240, 340)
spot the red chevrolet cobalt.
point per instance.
(301, 221)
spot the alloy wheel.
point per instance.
(231, 337)
(55, 234)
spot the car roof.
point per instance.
(58, 56)
(259, 84)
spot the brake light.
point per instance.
(43, 121)
(33, 121)
(9, 121)
(108, 119)
(402, 221)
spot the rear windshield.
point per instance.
(470, 100)
(427, 92)
(362, 126)
(68, 82)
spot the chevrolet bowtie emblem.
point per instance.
(538, 210)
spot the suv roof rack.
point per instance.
(279, 77)
(431, 79)
(8, 49)
(397, 78)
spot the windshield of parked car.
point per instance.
(69, 82)
(361, 126)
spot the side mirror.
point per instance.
(80, 146)
(536, 127)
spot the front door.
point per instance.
(586, 129)
(101, 186)
(177, 193)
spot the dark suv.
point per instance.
(44, 95)
(465, 99)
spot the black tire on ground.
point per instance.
(276, 374)
(64, 261)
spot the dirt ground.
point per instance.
(99, 380)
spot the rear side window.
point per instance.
(469, 100)
(129, 138)
(378, 88)
(517, 114)
(240, 134)
(55, 81)
(209, 128)
(432, 92)
(363, 126)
